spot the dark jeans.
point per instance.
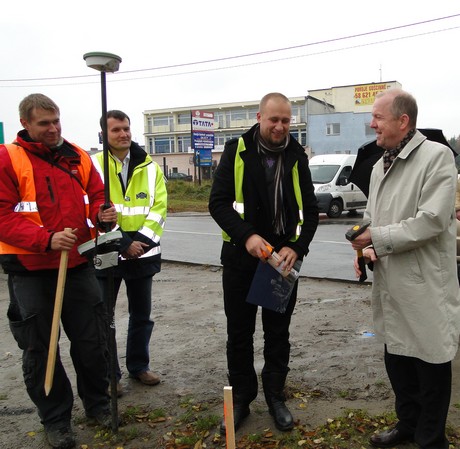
(140, 325)
(30, 315)
(422, 393)
(241, 322)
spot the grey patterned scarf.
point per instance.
(273, 163)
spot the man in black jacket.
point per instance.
(262, 195)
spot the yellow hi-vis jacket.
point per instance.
(238, 204)
(142, 206)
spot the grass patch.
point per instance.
(188, 196)
(207, 423)
(196, 428)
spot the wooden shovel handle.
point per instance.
(51, 363)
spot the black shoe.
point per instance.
(62, 438)
(103, 419)
(390, 438)
(240, 413)
(281, 414)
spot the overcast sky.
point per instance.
(43, 42)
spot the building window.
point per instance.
(162, 120)
(219, 118)
(333, 129)
(252, 113)
(238, 115)
(298, 111)
(149, 124)
(183, 144)
(221, 138)
(368, 130)
(151, 146)
(164, 145)
(300, 135)
(184, 119)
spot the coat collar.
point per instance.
(412, 145)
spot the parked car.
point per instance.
(330, 173)
(180, 177)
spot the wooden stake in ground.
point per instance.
(228, 418)
(56, 320)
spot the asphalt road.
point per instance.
(196, 238)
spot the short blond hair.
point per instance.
(272, 96)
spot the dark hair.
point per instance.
(116, 114)
(36, 101)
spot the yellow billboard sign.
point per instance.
(365, 93)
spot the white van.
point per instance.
(330, 173)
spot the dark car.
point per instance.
(180, 177)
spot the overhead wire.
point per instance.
(247, 55)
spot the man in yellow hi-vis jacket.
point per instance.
(138, 191)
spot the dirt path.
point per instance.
(336, 364)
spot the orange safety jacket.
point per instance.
(27, 206)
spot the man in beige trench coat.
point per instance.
(412, 244)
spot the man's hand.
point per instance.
(289, 256)
(369, 256)
(63, 240)
(107, 215)
(135, 250)
(362, 241)
(256, 246)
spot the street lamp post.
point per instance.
(107, 62)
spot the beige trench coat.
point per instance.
(415, 295)
(457, 207)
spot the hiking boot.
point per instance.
(62, 438)
(147, 378)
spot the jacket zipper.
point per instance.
(50, 188)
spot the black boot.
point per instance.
(244, 391)
(240, 413)
(274, 395)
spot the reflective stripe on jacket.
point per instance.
(238, 204)
(27, 205)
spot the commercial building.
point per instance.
(333, 120)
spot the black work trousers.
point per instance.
(30, 316)
(241, 324)
(422, 392)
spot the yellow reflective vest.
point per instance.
(238, 204)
